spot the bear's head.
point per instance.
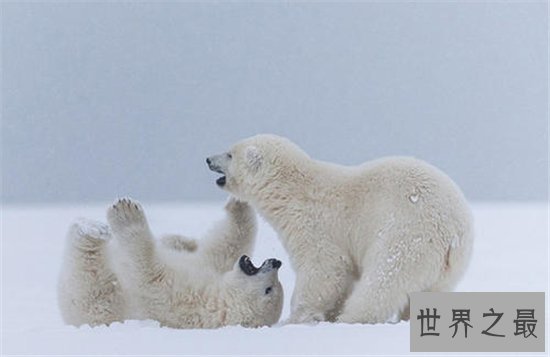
(254, 296)
(253, 163)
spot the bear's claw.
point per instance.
(125, 212)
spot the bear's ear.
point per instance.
(253, 157)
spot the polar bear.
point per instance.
(120, 272)
(360, 238)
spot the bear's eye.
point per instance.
(229, 155)
(268, 290)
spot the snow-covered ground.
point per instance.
(510, 254)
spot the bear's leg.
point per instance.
(131, 230)
(376, 304)
(323, 283)
(89, 292)
(179, 243)
(148, 278)
(389, 275)
(230, 238)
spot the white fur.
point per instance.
(360, 238)
(120, 272)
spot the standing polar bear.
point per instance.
(360, 238)
(119, 272)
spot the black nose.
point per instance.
(275, 263)
(208, 160)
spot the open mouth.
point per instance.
(249, 269)
(221, 181)
(216, 168)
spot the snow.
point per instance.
(510, 254)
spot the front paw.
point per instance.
(238, 209)
(126, 213)
(234, 204)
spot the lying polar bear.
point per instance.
(360, 238)
(117, 273)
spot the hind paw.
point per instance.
(89, 235)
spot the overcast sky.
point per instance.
(102, 100)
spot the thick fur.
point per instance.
(117, 272)
(360, 238)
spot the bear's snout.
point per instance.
(270, 265)
(249, 269)
(273, 263)
(213, 165)
(216, 163)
